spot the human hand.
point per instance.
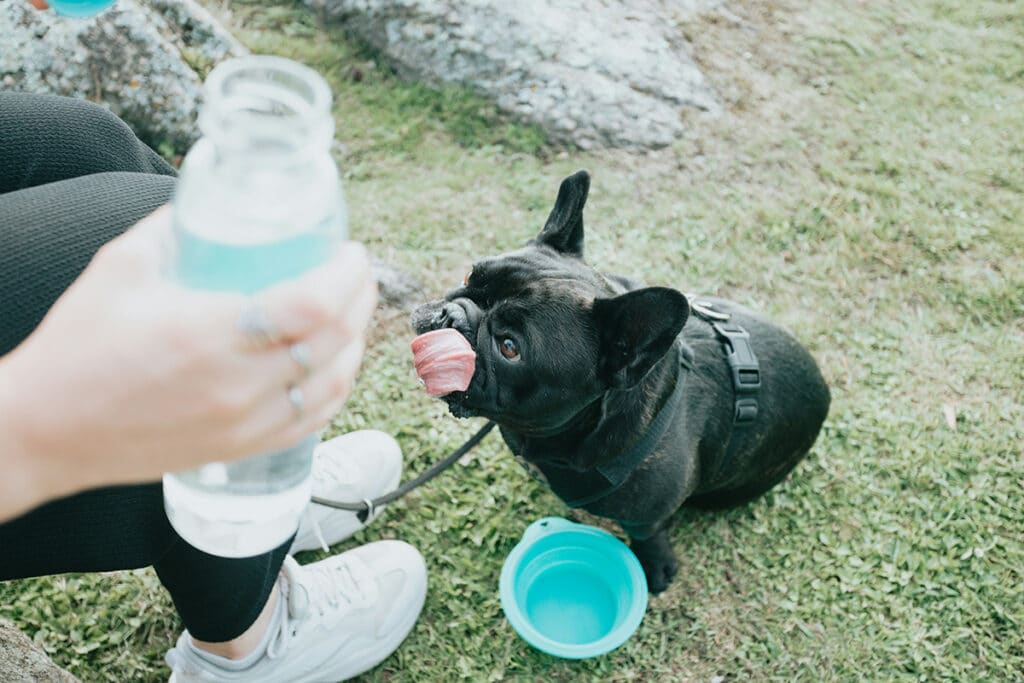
(131, 375)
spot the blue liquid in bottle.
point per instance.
(206, 264)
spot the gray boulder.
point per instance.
(397, 288)
(139, 58)
(590, 72)
(22, 661)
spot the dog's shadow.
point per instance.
(688, 522)
(694, 532)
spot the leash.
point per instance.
(365, 508)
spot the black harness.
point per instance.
(577, 488)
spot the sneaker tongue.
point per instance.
(296, 594)
(444, 360)
(298, 603)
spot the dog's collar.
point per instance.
(618, 469)
(605, 478)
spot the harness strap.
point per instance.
(744, 369)
(743, 365)
(619, 469)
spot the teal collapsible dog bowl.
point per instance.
(572, 590)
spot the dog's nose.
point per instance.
(451, 315)
(460, 314)
(444, 317)
(468, 311)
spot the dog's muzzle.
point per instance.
(459, 314)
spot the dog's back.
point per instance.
(793, 401)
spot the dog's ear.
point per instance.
(636, 329)
(563, 230)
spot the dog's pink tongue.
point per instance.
(444, 360)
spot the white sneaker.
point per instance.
(336, 619)
(352, 467)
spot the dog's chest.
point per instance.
(535, 472)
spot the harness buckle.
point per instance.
(706, 309)
(746, 372)
(746, 410)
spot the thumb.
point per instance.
(146, 245)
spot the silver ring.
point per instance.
(297, 399)
(254, 325)
(302, 356)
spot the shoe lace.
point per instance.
(326, 475)
(317, 531)
(332, 471)
(311, 592)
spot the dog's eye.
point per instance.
(509, 349)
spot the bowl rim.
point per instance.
(608, 642)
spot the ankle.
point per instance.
(247, 643)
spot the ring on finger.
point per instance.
(297, 399)
(256, 327)
(303, 357)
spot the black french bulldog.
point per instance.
(628, 405)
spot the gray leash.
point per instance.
(365, 508)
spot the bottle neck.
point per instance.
(266, 108)
(262, 170)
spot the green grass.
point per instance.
(866, 187)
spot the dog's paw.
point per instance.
(660, 573)
(658, 560)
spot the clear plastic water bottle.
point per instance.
(258, 201)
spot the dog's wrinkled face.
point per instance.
(528, 316)
(550, 333)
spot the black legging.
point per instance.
(72, 177)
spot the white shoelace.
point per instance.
(326, 477)
(322, 587)
(340, 472)
(315, 524)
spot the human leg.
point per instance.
(218, 599)
(47, 138)
(335, 619)
(49, 233)
(125, 527)
(72, 177)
